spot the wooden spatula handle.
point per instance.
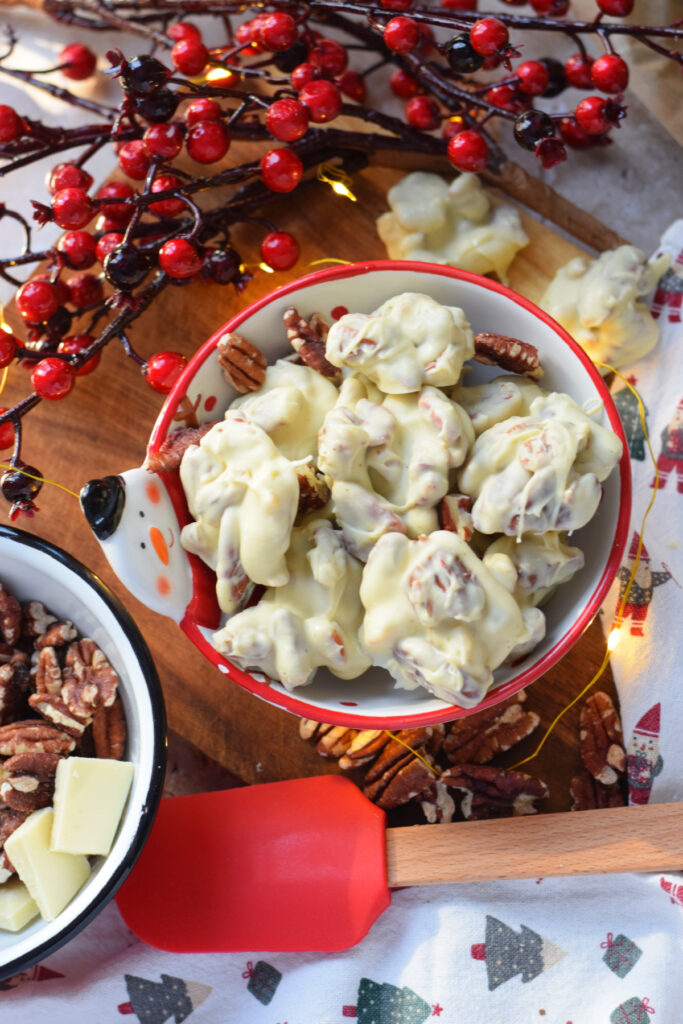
(618, 839)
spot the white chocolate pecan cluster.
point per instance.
(395, 516)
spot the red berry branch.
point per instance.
(275, 78)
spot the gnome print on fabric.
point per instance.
(673, 890)
(155, 1002)
(507, 953)
(641, 592)
(670, 458)
(643, 759)
(629, 414)
(379, 1003)
(668, 297)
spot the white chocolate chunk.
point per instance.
(17, 906)
(52, 879)
(90, 793)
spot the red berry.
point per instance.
(551, 8)
(203, 109)
(52, 378)
(329, 55)
(453, 126)
(179, 258)
(207, 141)
(396, 5)
(107, 243)
(591, 115)
(574, 135)
(505, 97)
(488, 35)
(133, 159)
(281, 170)
(37, 301)
(279, 250)
(459, 5)
(78, 248)
(468, 151)
(577, 71)
(183, 30)
(278, 31)
(72, 208)
(287, 120)
(163, 140)
(248, 33)
(189, 56)
(166, 207)
(68, 176)
(84, 290)
(616, 8)
(322, 99)
(117, 213)
(302, 75)
(533, 77)
(352, 85)
(79, 60)
(74, 344)
(609, 73)
(163, 370)
(11, 125)
(424, 113)
(6, 433)
(61, 290)
(8, 347)
(401, 34)
(403, 85)
(427, 39)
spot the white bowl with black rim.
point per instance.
(33, 569)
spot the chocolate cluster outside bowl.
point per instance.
(32, 569)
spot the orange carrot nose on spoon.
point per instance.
(308, 864)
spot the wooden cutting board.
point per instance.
(103, 427)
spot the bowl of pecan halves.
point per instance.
(82, 747)
(386, 494)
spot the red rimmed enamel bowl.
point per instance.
(138, 516)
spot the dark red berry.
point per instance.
(468, 151)
(401, 34)
(189, 56)
(21, 488)
(302, 75)
(163, 370)
(609, 73)
(75, 344)
(403, 85)
(453, 126)
(6, 432)
(577, 138)
(179, 258)
(52, 378)
(427, 41)
(84, 290)
(37, 301)
(488, 35)
(11, 125)
(163, 140)
(159, 107)
(329, 55)
(8, 348)
(551, 8)
(462, 56)
(506, 97)
(207, 141)
(78, 248)
(107, 243)
(221, 265)
(79, 61)
(279, 250)
(203, 109)
(533, 78)
(126, 267)
(287, 60)
(616, 8)
(277, 31)
(322, 99)
(352, 85)
(550, 152)
(593, 115)
(117, 213)
(287, 120)
(166, 207)
(183, 30)
(577, 71)
(557, 83)
(531, 126)
(424, 113)
(460, 5)
(143, 75)
(133, 160)
(68, 176)
(281, 170)
(72, 208)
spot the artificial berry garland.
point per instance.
(276, 76)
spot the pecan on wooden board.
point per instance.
(587, 793)
(493, 792)
(510, 354)
(243, 364)
(170, 453)
(307, 338)
(602, 748)
(479, 737)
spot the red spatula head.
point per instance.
(287, 866)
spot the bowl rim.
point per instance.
(148, 813)
(298, 705)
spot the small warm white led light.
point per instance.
(613, 639)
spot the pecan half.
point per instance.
(364, 747)
(52, 708)
(29, 781)
(57, 635)
(15, 683)
(455, 515)
(494, 793)
(36, 618)
(602, 749)
(587, 793)
(171, 450)
(509, 353)
(31, 736)
(313, 490)
(307, 338)
(479, 737)
(10, 617)
(403, 781)
(47, 672)
(89, 679)
(9, 821)
(437, 803)
(243, 364)
(109, 731)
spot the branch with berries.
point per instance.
(279, 80)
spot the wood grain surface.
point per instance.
(103, 426)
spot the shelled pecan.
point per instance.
(602, 748)
(52, 708)
(28, 780)
(510, 354)
(33, 736)
(314, 492)
(307, 338)
(47, 672)
(15, 683)
(493, 792)
(479, 737)
(243, 364)
(10, 617)
(35, 618)
(89, 680)
(171, 450)
(455, 515)
(109, 731)
(56, 635)
(588, 794)
(9, 821)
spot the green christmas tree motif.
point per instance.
(627, 407)
(154, 1003)
(386, 1004)
(507, 954)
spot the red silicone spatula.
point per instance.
(308, 865)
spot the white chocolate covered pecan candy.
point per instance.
(496, 400)
(312, 621)
(541, 564)
(411, 340)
